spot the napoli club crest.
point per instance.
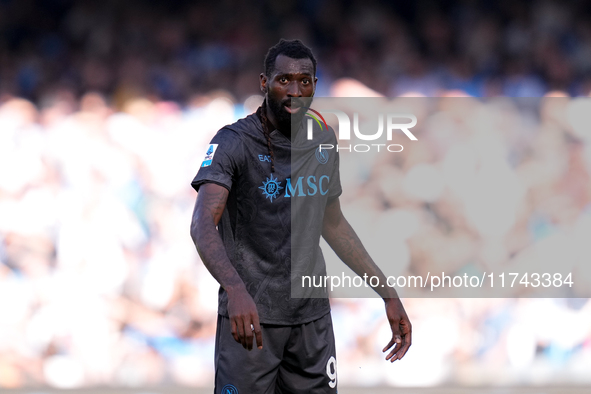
(321, 155)
(229, 389)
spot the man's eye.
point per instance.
(305, 81)
(283, 80)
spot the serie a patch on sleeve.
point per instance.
(209, 155)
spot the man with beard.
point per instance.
(249, 186)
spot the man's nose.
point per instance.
(293, 89)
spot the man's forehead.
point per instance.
(287, 65)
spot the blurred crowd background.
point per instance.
(106, 108)
(173, 50)
(498, 185)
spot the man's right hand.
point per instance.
(244, 318)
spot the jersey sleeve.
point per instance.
(222, 160)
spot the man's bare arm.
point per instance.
(210, 204)
(341, 237)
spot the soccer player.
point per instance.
(247, 186)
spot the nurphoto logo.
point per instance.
(389, 122)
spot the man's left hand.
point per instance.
(401, 329)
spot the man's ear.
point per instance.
(263, 80)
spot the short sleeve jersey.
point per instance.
(268, 215)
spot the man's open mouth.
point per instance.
(292, 109)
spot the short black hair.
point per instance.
(294, 49)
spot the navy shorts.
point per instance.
(294, 359)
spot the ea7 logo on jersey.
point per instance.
(209, 155)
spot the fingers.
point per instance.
(390, 344)
(234, 330)
(257, 332)
(406, 344)
(240, 330)
(395, 354)
(244, 332)
(407, 336)
(248, 336)
(401, 340)
(397, 342)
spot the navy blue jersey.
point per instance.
(272, 222)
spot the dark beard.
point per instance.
(287, 122)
